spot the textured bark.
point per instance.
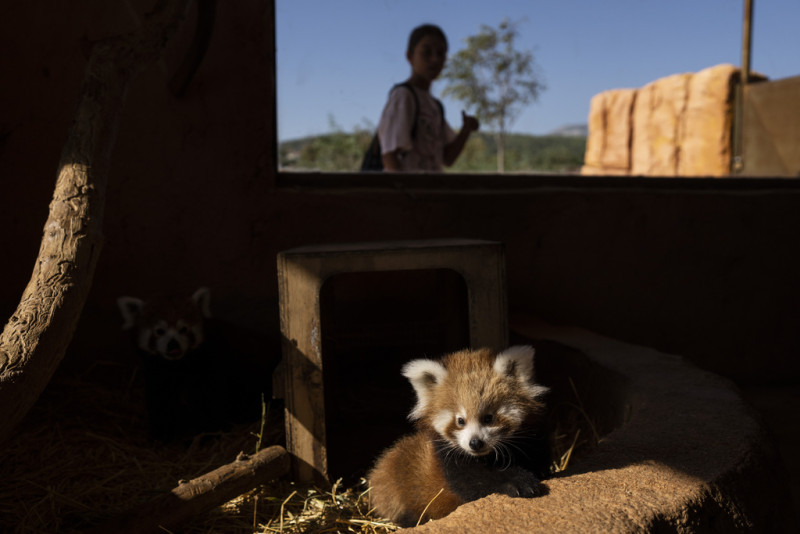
(36, 336)
(199, 495)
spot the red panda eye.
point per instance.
(460, 421)
(183, 330)
(487, 419)
(160, 331)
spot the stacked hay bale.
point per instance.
(679, 125)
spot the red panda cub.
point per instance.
(168, 326)
(477, 416)
(195, 380)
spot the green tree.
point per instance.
(490, 75)
(336, 151)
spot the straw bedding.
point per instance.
(82, 456)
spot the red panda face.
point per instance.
(476, 400)
(167, 326)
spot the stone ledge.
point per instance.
(691, 457)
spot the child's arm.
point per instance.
(453, 149)
(391, 161)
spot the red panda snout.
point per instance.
(168, 326)
(477, 440)
(478, 435)
(171, 342)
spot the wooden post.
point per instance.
(737, 164)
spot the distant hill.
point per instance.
(342, 152)
(572, 130)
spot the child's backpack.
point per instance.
(373, 158)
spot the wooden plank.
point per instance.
(771, 129)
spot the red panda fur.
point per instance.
(474, 414)
(407, 478)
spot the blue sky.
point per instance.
(337, 59)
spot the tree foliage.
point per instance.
(523, 153)
(334, 152)
(339, 151)
(495, 79)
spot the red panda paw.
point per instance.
(524, 485)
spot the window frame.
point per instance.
(452, 182)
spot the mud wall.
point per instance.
(704, 269)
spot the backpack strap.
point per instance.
(416, 106)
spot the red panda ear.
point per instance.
(202, 298)
(424, 375)
(129, 307)
(516, 362)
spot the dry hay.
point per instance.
(573, 430)
(312, 510)
(82, 456)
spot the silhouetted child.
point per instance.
(413, 132)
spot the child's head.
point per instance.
(418, 33)
(427, 51)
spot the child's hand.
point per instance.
(469, 123)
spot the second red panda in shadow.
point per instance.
(478, 432)
(195, 381)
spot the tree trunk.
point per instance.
(36, 336)
(501, 149)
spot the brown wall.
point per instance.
(706, 269)
(771, 132)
